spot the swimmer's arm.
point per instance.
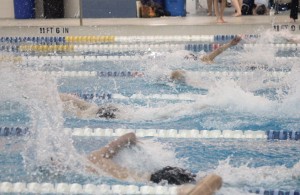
(207, 186)
(81, 104)
(103, 159)
(115, 170)
(110, 150)
(211, 56)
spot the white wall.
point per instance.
(72, 8)
(7, 9)
(190, 7)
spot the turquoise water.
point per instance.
(230, 95)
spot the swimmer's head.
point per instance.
(107, 112)
(178, 75)
(173, 175)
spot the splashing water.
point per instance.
(245, 176)
(48, 146)
(149, 156)
(38, 92)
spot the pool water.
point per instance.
(227, 95)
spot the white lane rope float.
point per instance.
(104, 189)
(168, 133)
(141, 47)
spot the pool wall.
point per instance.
(145, 26)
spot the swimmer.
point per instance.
(84, 109)
(102, 159)
(208, 58)
(180, 75)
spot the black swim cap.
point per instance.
(107, 112)
(173, 175)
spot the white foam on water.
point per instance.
(37, 92)
(269, 177)
(150, 155)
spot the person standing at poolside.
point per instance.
(294, 10)
(219, 10)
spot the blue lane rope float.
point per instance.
(104, 74)
(92, 96)
(208, 47)
(275, 192)
(120, 74)
(137, 74)
(36, 40)
(283, 135)
(13, 131)
(76, 188)
(199, 47)
(225, 38)
(121, 39)
(108, 96)
(9, 48)
(167, 133)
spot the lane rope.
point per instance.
(125, 74)
(110, 96)
(123, 39)
(161, 47)
(168, 133)
(79, 58)
(104, 74)
(75, 188)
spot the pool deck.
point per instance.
(191, 25)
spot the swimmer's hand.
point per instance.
(206, 59)
(235, 40)
(178, 75)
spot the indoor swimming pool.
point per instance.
(237, 117)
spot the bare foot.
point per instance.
(209, 14)
(237, 14)
(220, 21)
(292, 20)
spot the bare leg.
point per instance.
(240, 4)
(216, 8)
(237, 7)
(209, 7)
(223, 5)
